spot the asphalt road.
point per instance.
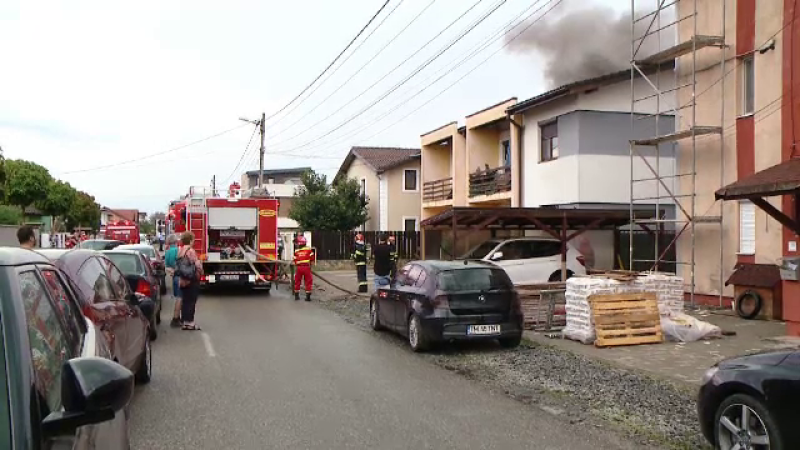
(272, 373)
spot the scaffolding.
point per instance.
(648, 22)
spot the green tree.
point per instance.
(320, 206)
(10, 215)
(2, 176)
(26, 182)
(85, 212)
(59, 199)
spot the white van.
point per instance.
(529, 260)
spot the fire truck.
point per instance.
(236, 235)
(122, 230)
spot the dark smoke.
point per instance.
(587, 43)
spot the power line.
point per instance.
(331, 64)
(247, 147)
(390, 72)
(359, 69)
(153, 155)
(336, 69)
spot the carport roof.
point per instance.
(780, 179)
(531, 218)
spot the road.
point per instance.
(271, 373)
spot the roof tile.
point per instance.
(384, 158)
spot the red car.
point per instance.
(107, 300)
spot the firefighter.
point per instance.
(393, 256)
(303, 256)
(360, 258)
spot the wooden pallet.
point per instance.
(626, 319)
(536, 310)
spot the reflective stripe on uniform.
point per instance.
(305, 261)
(362, 263)
(362, 283)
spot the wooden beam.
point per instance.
(547, 229)
(564, 239)
(646, 228)
(776, 214)
(592, 226)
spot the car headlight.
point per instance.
(709, 374)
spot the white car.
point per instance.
(529, 260)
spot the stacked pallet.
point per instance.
(543, 305)
(626, 319)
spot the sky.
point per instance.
(107, 95)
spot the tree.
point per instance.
(59, 199)
(10, 215)
(26, 182)
(320, 206)
(85, 212)
(2, 176)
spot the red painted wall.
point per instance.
(745, 126)
(790, 123)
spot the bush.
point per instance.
(10, 215)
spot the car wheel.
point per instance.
(555, 277)
(416, 338)
(744, 422)
(374, 320)
(144, 372)
(510, 342)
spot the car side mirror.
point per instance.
(496, 256)
(93, 390)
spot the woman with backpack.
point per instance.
(189, 269)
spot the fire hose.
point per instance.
(315, 273)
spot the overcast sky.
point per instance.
(87, 84)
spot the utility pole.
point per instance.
(261, 126)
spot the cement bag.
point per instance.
(582, 335)
(680, 327)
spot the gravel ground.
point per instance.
(582, 390)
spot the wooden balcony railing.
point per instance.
(437, 190)
(490, 181)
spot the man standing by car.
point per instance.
(170, 262)
(384, 259)
(360, 258)
(26, 237)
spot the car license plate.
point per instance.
(229, 277)
(483, 329)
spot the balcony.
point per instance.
(492, 183)
(438, 191)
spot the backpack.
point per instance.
(186, 269)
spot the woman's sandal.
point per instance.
(191, 327)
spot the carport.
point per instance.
(561, 224)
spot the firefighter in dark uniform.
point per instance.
(360, 258)
(302, 261)
(393, 256)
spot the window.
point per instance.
(747, 228)
(67, 308)
(128, 264)
(515, 250)
(422, 277)
(410, 180)
(117, 279)
(402, 274)
(474, 280)
(506, 148)
(49, 345)
(410, 224)
(413, 275)
(549, 141)
(5, 408)
(748, 86)
(363, 187)
(544, 249)
(95, 281)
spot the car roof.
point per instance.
(124, 246)
(123, 252)
(102, 240)
(16, 256)
(440, 265)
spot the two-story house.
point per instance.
(390, 179)
(283, 184)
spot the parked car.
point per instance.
(48, 350)
(141, 278)
(529, 260)
(750, 402)
(99, 244)
(156, 262)
(105, 297)
(438, 301)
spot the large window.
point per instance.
(748, 86)
(410, 179)
(747, 228)
(410, 224)
(506, 148)
(549, 141)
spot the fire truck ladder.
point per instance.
(197, 216)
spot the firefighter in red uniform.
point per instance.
(302, 261)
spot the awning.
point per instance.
(531, 218)
(781, 179)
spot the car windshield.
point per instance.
(128, 264)
(481, 250)
(93, 245)
(473, 279)
(150, 252)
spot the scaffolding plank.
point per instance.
(696, 131)
(686, 47)
(708, 219)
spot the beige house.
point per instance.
(390, 179)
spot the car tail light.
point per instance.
(440, 302)
(382, 294)
(581, 259)
(143, 287)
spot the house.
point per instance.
(34, 216)
(390, 179)
(111, 215)
(567, 148)
(282, 183)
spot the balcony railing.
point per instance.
(490, 181)
(437, 190)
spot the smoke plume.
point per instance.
(587, 43)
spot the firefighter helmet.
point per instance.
(301, 240)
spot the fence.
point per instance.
(338, 245)
(644, 249)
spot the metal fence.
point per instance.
(338, 245)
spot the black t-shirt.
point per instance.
(383, 259)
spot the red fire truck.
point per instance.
(235, 235)
(122, 230)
